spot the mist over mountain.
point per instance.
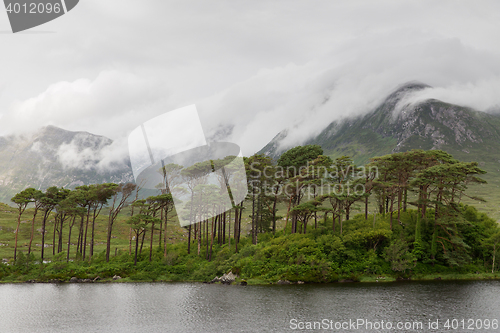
(400, 124)
(56, 157)
(405, 121)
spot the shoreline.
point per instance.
(257, 282)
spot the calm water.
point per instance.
(183, 307)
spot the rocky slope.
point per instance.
(54, 156)
(467, 134)
(392, 127)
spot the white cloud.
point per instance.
(351, 80)
(256, 67)
(106, 104)
(481, 95)
(90, 152)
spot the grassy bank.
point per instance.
(122, 270)
(359, 254)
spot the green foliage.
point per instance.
(398, 255)
(418, 247)
(441, 236)
(24, 263)
(317, 256)
(297, 157)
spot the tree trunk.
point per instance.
(60, 241)
(219, 230)
(229, 231)
(189, 239)
(151, 241)
(258, 220)
(212, 238)
(236, 228)
(47, 212)
(254, 229)
(195, 236)
(399, 206)
(190, 221)
(92, 238)
(239, 222)
(136, 247)
(85, 236)
(274, 210)
(79, 246)
(161, 227)
(294, 217)
(341, 223)
(78, 242)
(366, 208)
(216, 233)
(32, 230)
(224, 229)
(199, 238)
(130, 241)
(17, 232)
(54, 238)
(207, 235)
(108, 240)
(390, 212)
(405, 199)
(69, 238)
(142, 241)
(165, 235)
(287, 215)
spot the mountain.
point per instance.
(467, 134)
(54, 156)
(430, 124)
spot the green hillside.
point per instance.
(467, 134)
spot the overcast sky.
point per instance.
(254, 66)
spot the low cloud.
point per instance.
(481, 95)
(256, 70)
(89, 152)
(103, 105)
(351, 80)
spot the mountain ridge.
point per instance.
(53, 156)
(467, 134)
(428, 124)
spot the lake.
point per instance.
(193, 307)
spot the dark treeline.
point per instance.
(416, 217)
(69, 208)
(314, 187)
